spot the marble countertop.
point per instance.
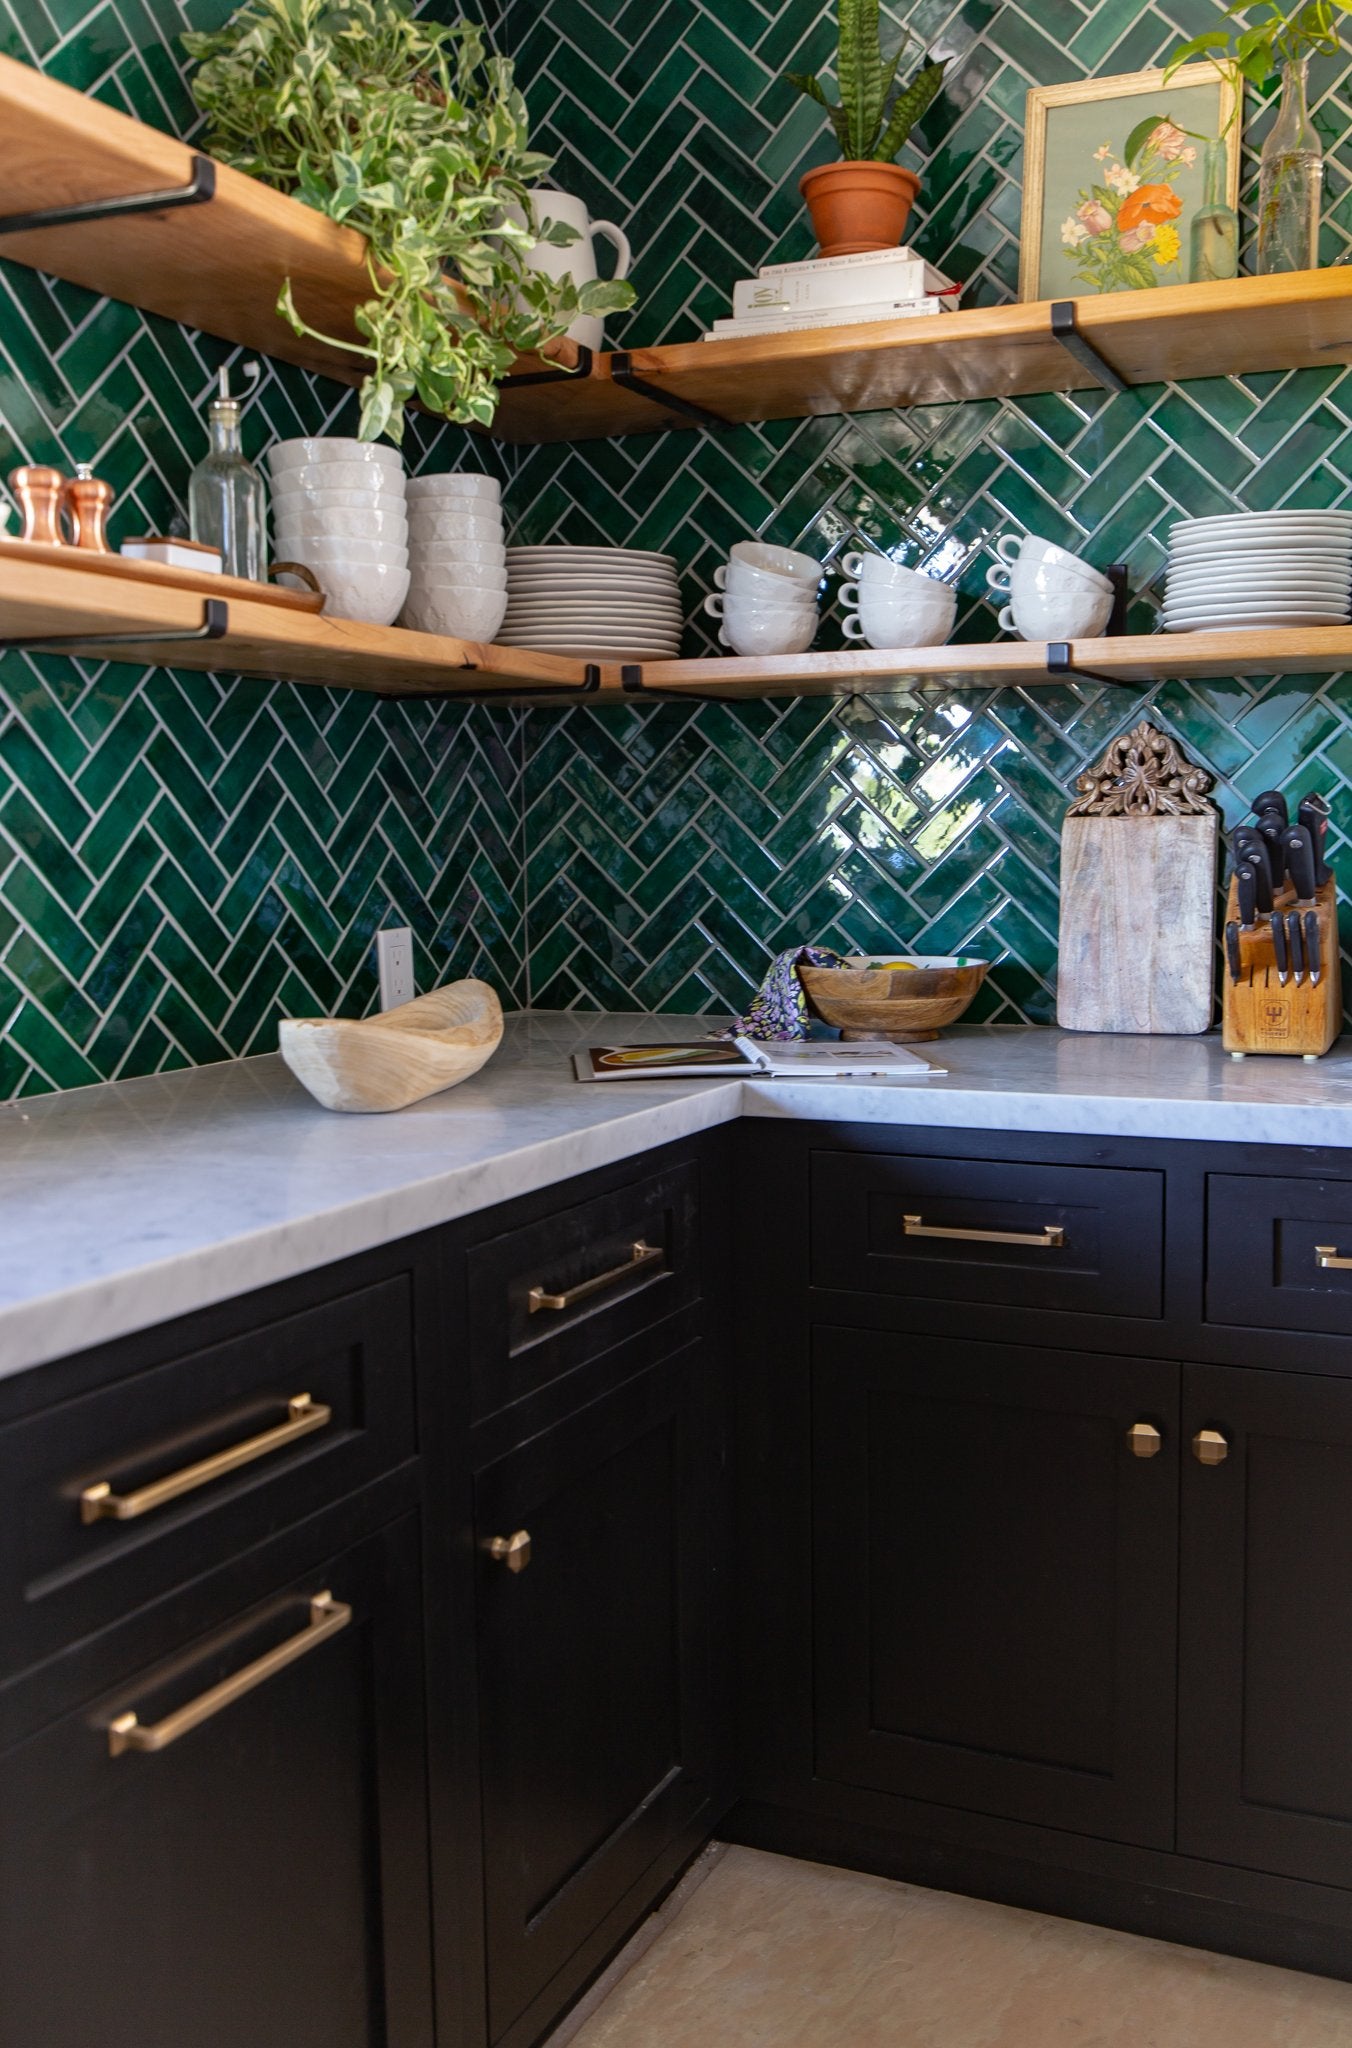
(130, 1203)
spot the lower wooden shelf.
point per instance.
(101, 617)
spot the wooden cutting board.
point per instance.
(162, 574)
(1138, 894)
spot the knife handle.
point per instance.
(1278, 929)
(1246, 894)
(1313, 962)
(1299, 851)
(1313, 817)
(1250, 846)
(1272, 800)
(1232, 949)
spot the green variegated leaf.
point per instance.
(911, 106)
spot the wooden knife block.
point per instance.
(1259, 1015)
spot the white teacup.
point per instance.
(900, 625)
(745, 581)
(1028, 550)
(1060, 615)
(763, 554)
(881, 571)
(767, 632)
(727, 604)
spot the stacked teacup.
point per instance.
(338, 508)
(766, 599)
(892, 606)
(1053, 595)
(457, 555)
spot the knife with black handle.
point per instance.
(1312, 958)
(1299, 853)
(1279, 947)
(1246, 894)
(1232, 949)
(1272, 800)
(1250, 846)
(1313, 817)
(1293, 947)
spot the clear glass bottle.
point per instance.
(1214, 235)
(1291, 181)
(227, 508)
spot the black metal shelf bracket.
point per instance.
(622, 373)
(582, 368)
(215, 625)
(590, 684)
(1066, 331)
(200, 187)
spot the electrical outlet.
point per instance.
(394, 958)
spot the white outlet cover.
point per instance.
(394, 959)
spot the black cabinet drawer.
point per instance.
(110, 1499)
(1084, 1238)
(549, 1296)
(1266, 1244)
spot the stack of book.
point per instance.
(837, 291)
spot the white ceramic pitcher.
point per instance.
(579, 258)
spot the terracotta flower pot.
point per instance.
(858, 206)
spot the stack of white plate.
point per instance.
(600, 604)
(1246, 570)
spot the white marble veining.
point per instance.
(130, 1203)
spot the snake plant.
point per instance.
(874, 116)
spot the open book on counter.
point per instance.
(754, 1060)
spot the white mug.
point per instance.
(578, 259)
(1028, 549)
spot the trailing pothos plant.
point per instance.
(414, 133)
(875, 114)
(1281, 35)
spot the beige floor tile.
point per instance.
(772, 1953)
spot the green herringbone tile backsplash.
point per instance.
(183, 858)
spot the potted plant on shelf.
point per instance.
(865, 201)
(415, 134)
(1291, 170)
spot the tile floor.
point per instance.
(771, 1953)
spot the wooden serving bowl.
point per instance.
(904, 1004)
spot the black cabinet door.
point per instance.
(995, 1574)
(262, 1878)
(595, 1668)
(1265, 1704)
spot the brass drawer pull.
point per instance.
(1053, 1235)
(1144, 1439)
(327, 1617)
(513, 1551)
(1327, 1256)
(99, 1503)
(640, 1254)
(1209, 1447)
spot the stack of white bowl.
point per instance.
(1053, 595)
(1245, 570)
(766, 599)
(338, 507)
(457, 556)
(598, 604)
(890, 605)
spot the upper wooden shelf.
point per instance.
(104, 617)
(219, 266)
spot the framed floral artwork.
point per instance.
(1114, 172)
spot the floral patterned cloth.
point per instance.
(779, 1008)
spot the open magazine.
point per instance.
(752, 1059)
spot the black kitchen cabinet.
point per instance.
(995, 1567)
(262, 1877)
(1265, 1776)
(595, 1660)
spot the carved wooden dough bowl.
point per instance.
(905, 1004)
(389, 1061)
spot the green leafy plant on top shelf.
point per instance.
(875, 116)
(414, 133)
(1281, 35)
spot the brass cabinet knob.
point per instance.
(513, 1551)
(1209, 1447)
(1144, 1439)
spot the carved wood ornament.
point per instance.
(1143, 775)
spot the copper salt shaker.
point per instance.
(87, 502)
(38, 493)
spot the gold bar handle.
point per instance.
(327, 1617)
(640, 1254)
(99, 1503)
(1052, 1235)
(1327, 1256)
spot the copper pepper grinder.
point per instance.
(87, 502)
(38, 492)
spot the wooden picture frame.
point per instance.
(1064, 175)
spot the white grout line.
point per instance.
(637, 1946)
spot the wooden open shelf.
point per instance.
(38, 600)
(219, 266)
